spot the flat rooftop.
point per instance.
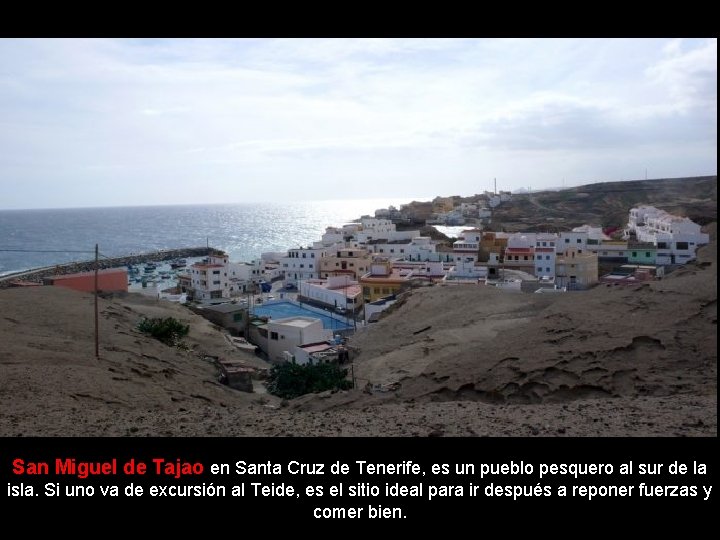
(316, 347)
(299, 322)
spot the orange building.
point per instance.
(110, 280)
(383, 280)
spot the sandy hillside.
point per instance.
(51, 383)
(610, 361)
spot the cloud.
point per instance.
(561, 123)
(688, 73)
(424, 112)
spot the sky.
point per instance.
(123, 122)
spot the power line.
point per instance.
(46, 250)
(54, 251)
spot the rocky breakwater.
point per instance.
(38, 274)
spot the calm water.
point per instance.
(244, 231)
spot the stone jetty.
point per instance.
(37, 274)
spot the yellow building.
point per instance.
(576, 270)
(441, 205)
(492, 242)
(383, 280)
(353, 262)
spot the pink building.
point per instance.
(110, 280)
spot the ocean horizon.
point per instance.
(45, 237)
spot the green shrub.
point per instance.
(168, 330)
(292, 380)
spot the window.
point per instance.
(312, 255)
(539, 270)
(216, 283)
(634, 253)
(237, 317)
(547, 257)
(567, 240)
(274, 335)
(304, 255)
(402, 251)
(352, 264)
(310, 265)
(216, 272)
(547, 270)
(337, 264)
(681, 245)
(579, 241)
(647, 253)
(552, 244)
(525, 258)
(544, 244)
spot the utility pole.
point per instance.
(97, 338)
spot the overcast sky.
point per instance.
(89, 122)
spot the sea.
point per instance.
(38, 238)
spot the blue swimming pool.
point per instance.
(280, 310)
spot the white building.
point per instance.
(336, 292)
(545, 249)
(422, 248)
(302, 263)
(419, 248)
(381, 229)
(209, 280)
(315, 353)
(467, 269)
(676, 238)
(285, 334)
(427, 270)
(573, 239)
(473, 235)
(593, 233)
(241, 277)
(466, 250)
